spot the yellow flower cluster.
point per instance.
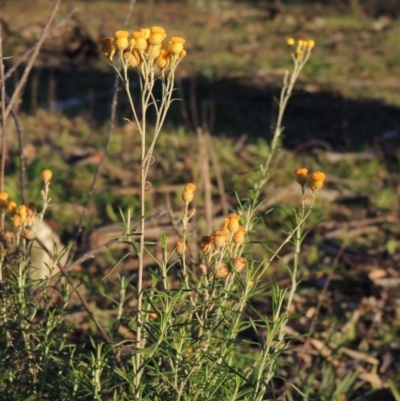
(315, 180)
(303, 48)
(144, 45)
(23, 215)
(222, 243)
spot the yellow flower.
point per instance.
(222, 271)
(188, 193)
(219, 238)
(239, 263)
(239, 236)
(317, 180)
(107, 47)
(163, 59)
(310, 43)
(180, 246)
(233, 223)
(301, 176)
(290, 41)
(157, 35)
(175, 45)
(46, 176)
(298, 53)
(121, 41)
(206, 244)
(17, 221)
(183, 53)
(3, 199)
(145, 32)
(12, 208)
(154, 51)
(140, 41)
(302, 43)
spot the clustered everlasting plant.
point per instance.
(188, 341)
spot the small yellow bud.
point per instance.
(46, 176)
(183, 53)
(317, 180)
(310, 43)
(12, 208)
(3, 200)
(301, 176)
(290, 41)
(233, 223)
(188, 193)
(162, 60)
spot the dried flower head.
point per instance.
(317, 180)
(290, 41)
(203, 269)
(233, 223)
(107, 47)
(46, 176)
(301, 176)
(175, 45)
(8, 236)
(239, 236)
(28, 234)
(206, 244)
(181, 246)
(219, 238)
(157, 35)
(188, 193)
(239, 263)
(3, 200)
(222, 270)
(121, 40)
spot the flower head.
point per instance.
(219, 238)
(206, 244)
(121, 40)
(12, 208)
(107, 47)
(162, 60)
(157, 35)
(188, 193)
(140, 40)
(46, 176)
(3, 199)
(290, 41)
(180, 246)
(222, 271)
(310, 43)
(239, 263)
(175, 45)
(233, 222)
(239, 236)
(317, 180)
(301, 176)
